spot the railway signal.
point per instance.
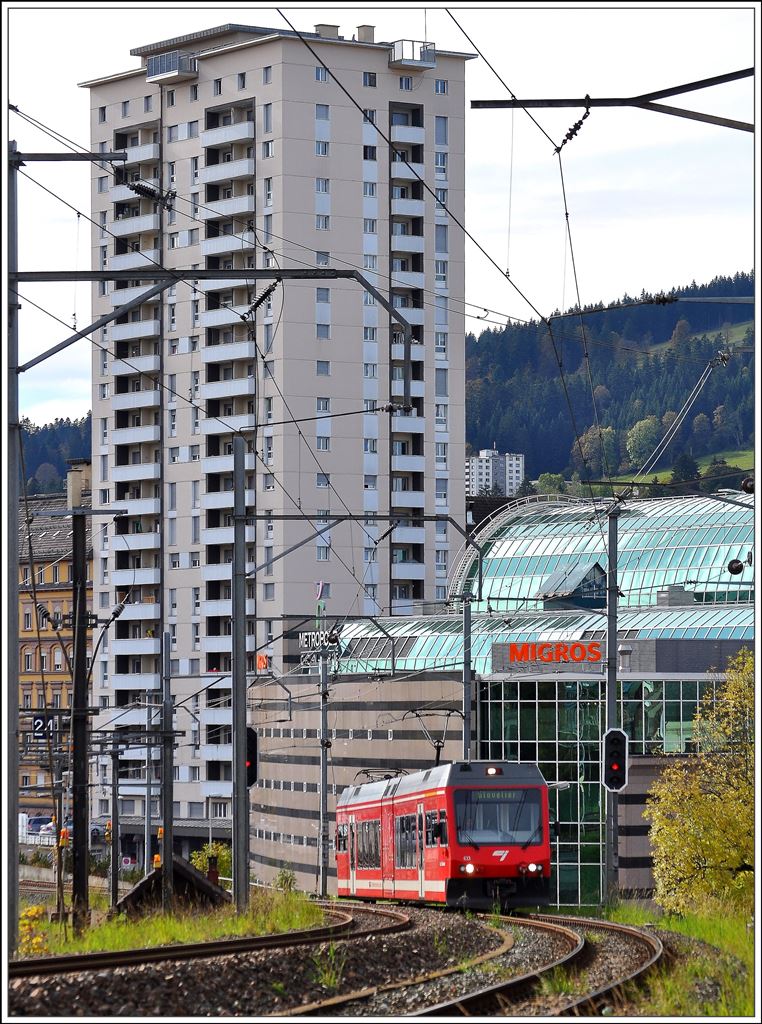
(614, 774)
(251, 756)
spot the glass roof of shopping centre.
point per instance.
(436, 643)
(664, 541)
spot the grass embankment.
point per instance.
(702, 984)
(270, 913)
(741, 457)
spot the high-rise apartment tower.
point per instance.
(273, 167)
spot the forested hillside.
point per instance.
(644, 363)
(47, 448)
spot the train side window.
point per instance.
(431, 828)
(443, 828)
(341, 838)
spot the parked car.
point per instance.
(37, 821)
(50, 828)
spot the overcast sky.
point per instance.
(655, 201)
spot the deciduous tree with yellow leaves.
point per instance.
(702, 811)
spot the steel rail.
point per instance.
(130, 957)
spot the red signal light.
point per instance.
(615, 766)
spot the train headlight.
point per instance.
(534, 867)
(468, 868)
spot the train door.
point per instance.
(352, 854)
(420, 862)
(387, 848)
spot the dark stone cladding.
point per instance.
(348, 762)
(281, 862)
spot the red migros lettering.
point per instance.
(548, 652)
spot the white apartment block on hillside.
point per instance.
(273, 167)
(491, 468)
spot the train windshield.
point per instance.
(488, 816)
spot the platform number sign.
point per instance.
(44, 724)
(614, 774)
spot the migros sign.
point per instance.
(555, 652)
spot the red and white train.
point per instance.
(470, 834)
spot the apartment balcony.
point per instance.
(400, 171)
(138, 610)
(417, 387)
(148, 153)
(230, 351)
(228, 243)
(226, 424)
(224, 499)
(125, 578)
(139, 471)
(408, 424)
(135, 364)
(408, 499)
(407, 243)
(224, 535)
(221, 789)
(216, 752)
(131, 260)
(220, 317)
(242, 131)
(224, 463)
(123, 193)
(135, 435)
(224, 608)
(172, 66)
(221, 571)
(221, 284)
(135, 542)
(408, 134)
(408, 463)
(409, 535)
(148, 222)
(408, 279)
(408, 571)
(136, 681)
(140, 506)
(217, 644)
(146, 398)
(228, 170)
(402, 607)
(228, 388)
(136, 645)
(124, 295)
(134, 329)
(417, 352)
(238, 206)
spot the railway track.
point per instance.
(342, 927)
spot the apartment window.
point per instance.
(370, 262)
(369, 225)
(322, 552)
(369, 152)
(125, 108)
(369, 554)
(441, 194)
(369, 405)
(323, 405)
(194, 178)
(321, 74)
(242, 80)
(101, 115)
(268, 191)
(441, 86)
(323, 368)
(441, 489)
(323, 295)
(193, 129)
(103, 184)
(322, 480)
(321, 148)
(440, 131)
(174, 454)
(370, 334)
(369, 79)
(370, 482)
(370, 445)
(370, 370)
(267, 75)
(406, 83)
(322, 259)
(322, 184)
(440, 343)
(369, 116)
(368, 299)
(217, 89)
(440, 238)
(440, 457)
(440, 383)
(170, 97)
(171, 172)
(323, 443)
(440, 271)
(322, 112)
(322, 222)
(268, 149)
(172, 133)
(267, 227)
(440, 165)
(369, 189)
(174, 240)
(193, 93)
(267, 117)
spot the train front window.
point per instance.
(490, 816)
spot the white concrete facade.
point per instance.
(273, 167)
(491, 468)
